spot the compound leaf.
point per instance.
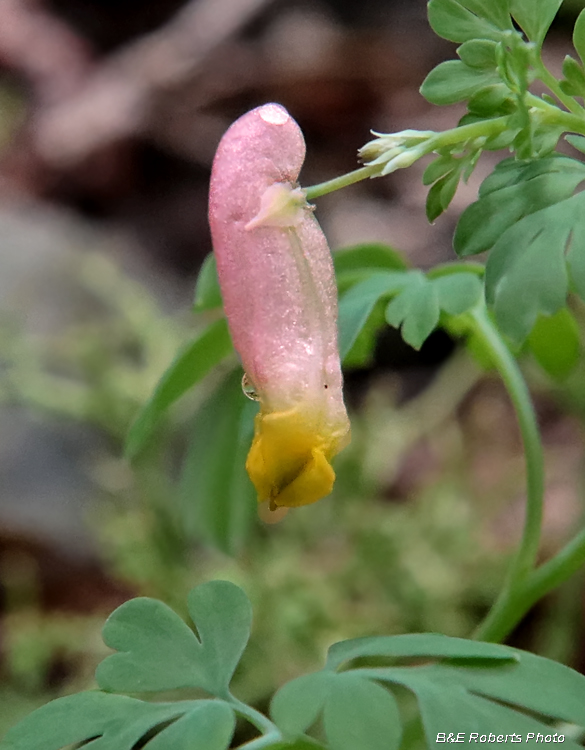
(527, 272)
(514, 190)
(157, 651)
(416, 308)
(117, 722)
(448, 710)
(416, 304)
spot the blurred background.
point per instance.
(110, 113)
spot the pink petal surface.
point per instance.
(276, 275)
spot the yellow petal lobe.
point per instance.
(288, 462)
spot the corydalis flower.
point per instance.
(278, 288)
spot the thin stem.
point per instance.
(572, 123)
(266, 740)
(508, 612)
(553, 85)
(503, 615)
(316, 191)
(481, 129)
(557, 570)
(261, 722)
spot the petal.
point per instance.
(280, 299)
(289, 458)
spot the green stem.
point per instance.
(553, 85)
(266, 740)
(504, 614)
(557, 570)
(270, 732)
(463, 133)
(508, 612)
(571, 123)
(316, 191)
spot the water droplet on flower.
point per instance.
(248, 389)
(270, 515)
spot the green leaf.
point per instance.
(415, 311)
(527, 272)
(438, 168)
(493, 101)
(579, 36)
(448, 708)
(210, 726)
(462, 693)
(356, 305)
(416, 305)
(575, 77)
(363, 348)
(416, 645)
(453, 81)
(416, 308)
(515, 190)
(207, 291)
(299, 744)
(356, 263)
(116, 722)
(223, 615)
(369, 255)
(298, 703)
(77, 717)
(217, 498)
(555, 343)
(441, 194)
(478, 53)
(535, 16)
(361, 714)
(189, 367)
(157, 651)
(462, 20)
(458, 292)
(530, 682)
(577, 141)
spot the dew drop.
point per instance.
(248, 389)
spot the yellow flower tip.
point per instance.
(288, 462)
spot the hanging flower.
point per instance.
(278, 287)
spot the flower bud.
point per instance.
(278, 288)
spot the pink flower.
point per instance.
(278, 287)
